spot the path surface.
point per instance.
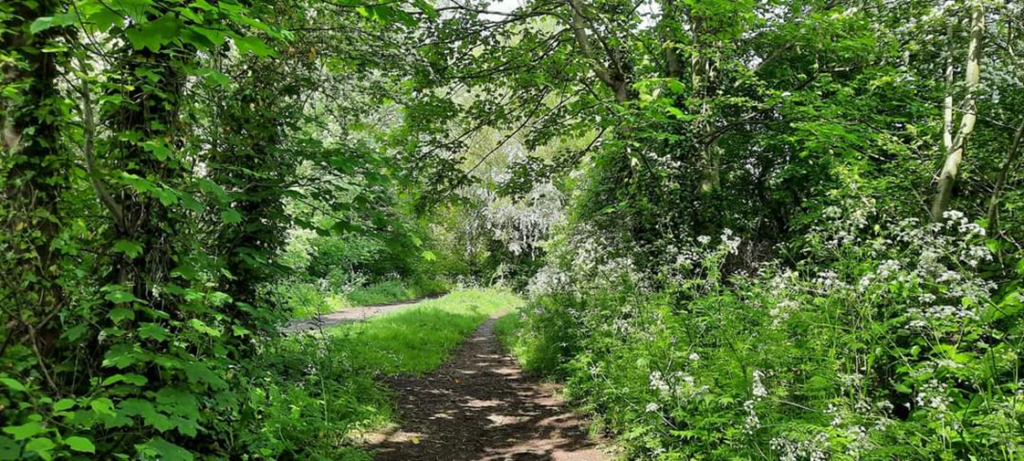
(352, 314)
(480, 406)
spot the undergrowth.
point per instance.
(885, 340)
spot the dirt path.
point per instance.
(354, 314)
(479, 406)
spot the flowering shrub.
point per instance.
(884, 341)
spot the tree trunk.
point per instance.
(1004, 172)
(955, 154)
(947, 102)
(673, 68)
(703, 70)
(34, 169)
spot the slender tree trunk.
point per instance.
(947, 102)
(955, 154)
(1004, 172)
(703, 70)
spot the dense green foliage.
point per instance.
(753, 263)
(780, 229)
(160, 158)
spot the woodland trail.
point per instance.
(480, 406)
(354, 314)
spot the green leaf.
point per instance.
(123, 356)
(138, 183)
(158, 149)
(25, 430)
(155, 34)
(202, 328)
(130, 248)
(41, 24)
(41, 447)
(118, 314)
(13, 385)
(64, 404)
(214, 77)
(253, 44)
(150, 417)
(190, 203)
(164, 450)
(120, 297)
(104, 19)
(167, 196)
(9, 449)
(216, 37)
(230, 216)
(198, 372)
(75, 332)
(178, 401)
(426, 8)
(80, 444)
(211, 188)
(678, 113)
(102, 406)
(153, 331)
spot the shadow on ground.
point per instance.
(479, 406)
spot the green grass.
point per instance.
(306, 300)
(393, 291)
(418, 339)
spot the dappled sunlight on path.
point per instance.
(479, 406)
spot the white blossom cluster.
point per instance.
(521, 225)
(547, 281)
(759, 392)
(678, 385)
(814, 449)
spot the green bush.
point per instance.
(539, 335)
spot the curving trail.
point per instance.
(480, 406)
(353, 314)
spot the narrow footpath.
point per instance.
(480, 406)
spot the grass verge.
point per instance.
(537, 348)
